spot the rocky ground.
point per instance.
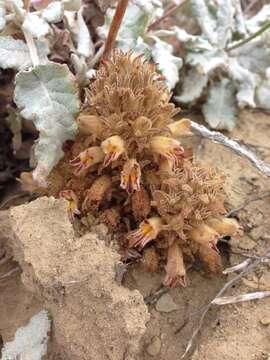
(94, 318)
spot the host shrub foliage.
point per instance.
(128, 168)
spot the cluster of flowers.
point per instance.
(129, 168)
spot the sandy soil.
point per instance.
(232, 332)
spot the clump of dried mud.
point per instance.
(73, 277)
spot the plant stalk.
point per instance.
(114, 28)
(251, 37)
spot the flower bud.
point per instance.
(90, 125)
(175, 268)
(113, 147)
(170, 148)
(180, 128)
(224, 226)
(203, 235)
(86, 159)
(141, 125)
(148, 230)
(131, 176)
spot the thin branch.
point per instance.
(32, 48)
(251, 37)
(169, 11)
(114, 28)
(247, 202)
(9, 273)
(251, 264)
(233, 145)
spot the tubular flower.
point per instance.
(131, 176)
(72, 199)
(148, 230)
(180, 128)
(86, 159)
(90, 125)
(224, 226)
(113, 147)
(175, 268)
(170, 148)
(204, 234)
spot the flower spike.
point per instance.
(131, 176)
(113, 147)
(170, 148)
(72, 199)
(148, 230)
(86, 159)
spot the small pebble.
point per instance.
(166, 304)
(265, 320)
(154, 347)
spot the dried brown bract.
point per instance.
(129, 167)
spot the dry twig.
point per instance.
(233, 145)
(247, 202)
(250, 265)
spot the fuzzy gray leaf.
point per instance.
(167, 63)
(254, 23)
(2, 15)
(205, 19)
(192, 42)
(219, 109)
(85, 44)
(54, 12)
(35, 25)
(245, 83)
(14, 54)
(240, 24)
(207, 61)
(193, 85)
(48, 96)
(225, 22)
(263, 92)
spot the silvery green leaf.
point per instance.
(240, 22)
(207, 61)
(35, 25)
(168, 64)
(192, 42)
(263, 92)
(254, 23)
(143, 48)
(219, 109)
(152, 7)
(85, 44)
(14, 54)
(30, 341)
(72, 5)
(19, 10)
(225, 22)
(2, 15)
(48, 96)
(193, 85)
(245, 83)
(54, 12)
(80, 68)
(254, 56)
(205, 19)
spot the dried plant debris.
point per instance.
(128, 168)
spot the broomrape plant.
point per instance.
(127, 165)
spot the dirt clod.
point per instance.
(154, 347)
(93, 317)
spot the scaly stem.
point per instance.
(114, 28)
(251, 37)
